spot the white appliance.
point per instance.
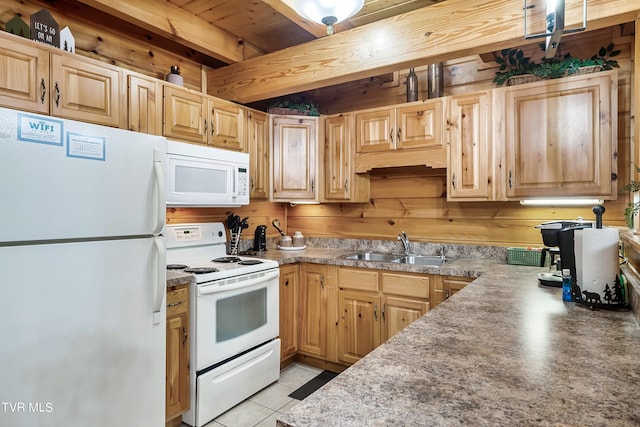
(198, 175)
(234, 319)
(82, 316)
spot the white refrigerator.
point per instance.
(82, 274)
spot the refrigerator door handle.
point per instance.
(159, 284)
(160, 187)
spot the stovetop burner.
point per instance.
(226, 259)
(200, 270)
(250, 262)
(176, 266)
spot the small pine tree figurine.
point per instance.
(607, 294)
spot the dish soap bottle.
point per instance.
(566, 285)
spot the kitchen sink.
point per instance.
(412, 259)
(421, 260)
(372, 256)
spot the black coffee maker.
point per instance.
(560, 234)
(260, 238)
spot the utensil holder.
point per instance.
(233, 244)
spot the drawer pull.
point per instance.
(185, 335)
(173, 304)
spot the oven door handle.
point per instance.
(217, 288)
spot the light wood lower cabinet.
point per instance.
(374, 305)
(316, 282)
(446, 286)
(289, 291)
(177, 369)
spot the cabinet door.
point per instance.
(359, 329)
(185, 115)
(258, 142)
(469, 160)
(561, 137)
(82, 90)
(145, 104)
(227, 125)
(288, 310)
(419, 125)
(24, 79)
(337, 160)
(398, 313)
(294, 158)
(177, 381)
(375, 131)
(313, 310)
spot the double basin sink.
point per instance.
(412, 259)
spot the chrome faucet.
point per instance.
(405, 242)
(442, 252)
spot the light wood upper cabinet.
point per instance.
(185, 115)
(87, 91)
(289, 285)
(192, 116)
(468, 128)
(24, 76)
(257, 131)
(177, 365)
(144, 104)
(419, 125)
(561, 137)
(342, 184)
(294, 158)
(50, 81)
(227, 125)
(416, 125)
(375, 130)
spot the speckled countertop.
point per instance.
(176, 278)
(501, 352)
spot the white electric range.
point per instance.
(234, 319)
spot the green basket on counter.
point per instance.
(524, 256)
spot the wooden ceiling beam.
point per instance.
(175, 23)
(443, 31)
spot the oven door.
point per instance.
(235, 314)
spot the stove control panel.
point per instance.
(188, 234)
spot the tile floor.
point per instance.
(262, 408)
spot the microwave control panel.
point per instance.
(242, 187)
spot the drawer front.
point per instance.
(177, 301)
(358, 279)
(406, 285)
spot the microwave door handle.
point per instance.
(234, 193)
(216, 288)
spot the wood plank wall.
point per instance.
(411, 199)
(414, 199)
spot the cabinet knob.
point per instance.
(375, 311)
(391, 135)
(453, 180)
(184, 336)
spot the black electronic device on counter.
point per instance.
(260, 238)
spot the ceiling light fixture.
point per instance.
(327, 12)
(554, 18)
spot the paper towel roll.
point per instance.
(596, 251)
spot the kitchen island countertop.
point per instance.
(502, 351)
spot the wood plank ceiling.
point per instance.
(273, 25)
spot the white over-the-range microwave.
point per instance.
(202, 176)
